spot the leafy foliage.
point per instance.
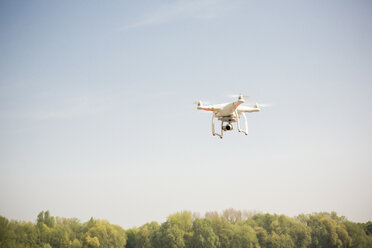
(55, 232)
(231, 229)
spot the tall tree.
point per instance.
(203, 235)
(223, 229)
(244, 237)
(7, 236)
(145, 235)
(327, 230)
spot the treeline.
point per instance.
(56, 232)
(232, 228)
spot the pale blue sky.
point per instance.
(96, 116)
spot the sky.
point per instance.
(97, 120)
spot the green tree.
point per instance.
(175, 232)
(49, 220)
(60, 237)
(222, 228)
(91, 242)
(76, 244)
(280, 241)
(203, 235)
(299, 233)
(45, 224)
(72, 226)
(262, 236)
(131, 237)
(280, 230)
(108, 235)
(144, 236)
(244, 237)
(7, 236)
(357, 233)
(265, 221)
(27, 235)
(183, 220)
(327, 230)
(171, 236)
(45, 218)
(368, 228)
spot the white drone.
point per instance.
(228, 113)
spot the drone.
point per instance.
(229, 113)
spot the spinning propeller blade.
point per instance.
(238, 95)
(258, 105)
(200, 102)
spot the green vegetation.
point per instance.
(232, 228)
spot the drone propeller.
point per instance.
(238, 95)
(200, 102)
(258, 105)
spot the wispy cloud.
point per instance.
(185, 9)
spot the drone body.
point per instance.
(229, 113)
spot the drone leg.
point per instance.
(213, 131)
(246, 124)
(213, 125)
(238, 123)
(221, 129)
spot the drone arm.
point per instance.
(208, 107)
(205, 107)
(246, 109)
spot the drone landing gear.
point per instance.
(229, 126)
(245, 123)
(213, 132)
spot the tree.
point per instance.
(145, 235)
(175, 232)
(45, 218)
(26, 234)
(76, 244)
(327, 230)
(223, 229)
(280, 241)
(298, 232)
(368, 228)
(183, 220)
(131, 237)
(7, 236)
(108, 235)
(357, 234)
(59, 237)
(91, 242)
(73, 226)
(232, 215)
(40, 218)
(262, 236)
(244, 237)
(170, 236)
(203, 235)
(49, 220)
